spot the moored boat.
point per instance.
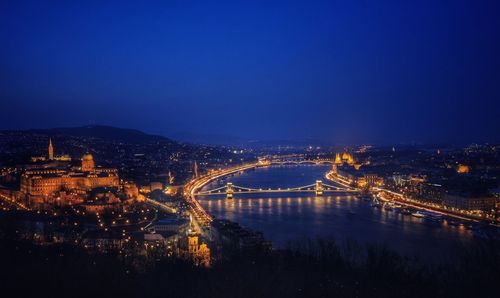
(418, 214)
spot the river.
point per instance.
(291, 217)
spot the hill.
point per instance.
(103, 132)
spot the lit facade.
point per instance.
(51, 150)
(47, 181)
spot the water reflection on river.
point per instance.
(295, 216)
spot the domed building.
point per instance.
(346, 158)
(42, 184)
(88, 164)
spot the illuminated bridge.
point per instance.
(317, 188)
(300, 161)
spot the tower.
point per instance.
(192, 244)
(170, 177)
(318, 189)
(195, 169)
(350, 160)
(229, 190)
(338, 160)
(345, 156)
(51, 150)
(203, 257)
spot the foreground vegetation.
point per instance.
(314, 269)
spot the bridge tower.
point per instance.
(319, 188)
(229, 190)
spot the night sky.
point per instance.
(344, 71)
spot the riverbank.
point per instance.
(293, 217)
(201, 219)
(390, 196)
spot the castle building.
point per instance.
(46, 181)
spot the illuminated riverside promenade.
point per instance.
(200, 217)
(384, 194)
(289, 218)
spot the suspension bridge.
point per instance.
(300, 161)
(317, 188)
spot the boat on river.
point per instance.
(418, 214)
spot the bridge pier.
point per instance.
(319, 188)
(229, 190)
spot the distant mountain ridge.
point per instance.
(99, 131)
(228, 140)
(118, 134)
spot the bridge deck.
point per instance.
(274, 191)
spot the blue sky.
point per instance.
(346, 71)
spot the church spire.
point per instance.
(195, 169)
(51, 150)
(338, 160)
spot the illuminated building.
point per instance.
(192, 244)
(156, 186)
(37, 158)
(176, 224)
(47, 181)
(469, 202)
(345, 158)
(37, 183)
(199, 254)
(374, 180)
(171, 178)
(103, 202)
(64, 157)
(50, 155)
(51, 150)
(361, 179)
(203, 256)
(88, 164)
(463, 169)
(346, 168)
(131, 190)
(338, 160)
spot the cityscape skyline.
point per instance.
(301, 148)
(383, 72)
